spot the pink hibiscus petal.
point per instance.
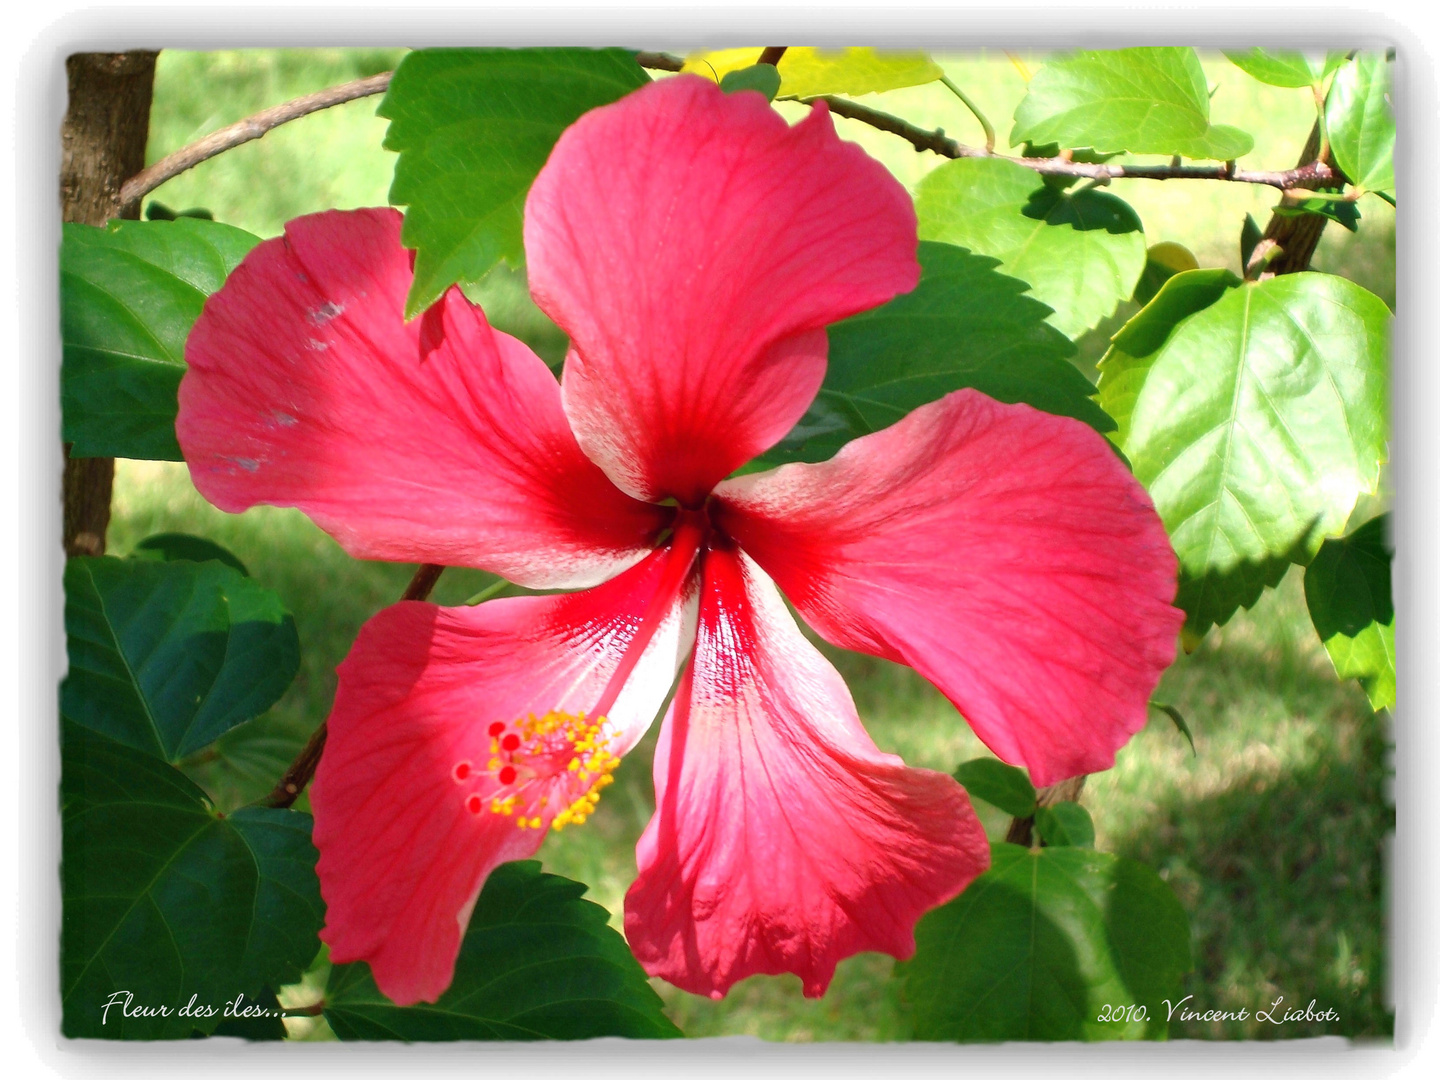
(783, 840)
(694, 245)
(1005, 554)
(441, 441)
(434, 772)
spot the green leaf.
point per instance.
(1144, 100)
(1126, 364)
(1162, 262)
(1082, 252)
(129, 294)
(1066, 824)
(168, 656)
(473, 128)
(1343, 212)
(1221, 142)
(1285, 67)
(762, 78)
(1178, 720)
(168, 547)
(809, 72)
(1250, 236)
(166, 900)
(537, 962)
(1254, 426)
(1347, 588)
(1040, 944)
(1361, 122)
(1002, 786)
(963, 325)
(1181, 296)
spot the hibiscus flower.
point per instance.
(694, 246)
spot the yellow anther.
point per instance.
(545, 741)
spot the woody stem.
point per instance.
(302, 769)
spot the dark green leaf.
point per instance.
(166, 900)
(1343, 212)
(129, 294)
(158, 211)
(168, 656)
(964, 325)
(168, 547)
(1178, 720)
(1162, 262)
(1361, 122)
(243, 765)
(473, 128)
(537, 962)
(1066, 824)
(1002, 786)
(1254, 426)
(1285, 67)
(1081, 253)
(1250, 235)
(1040, 944)
(1144, 100)
(763, 78)
(1347, 588)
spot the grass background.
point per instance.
(1272, 834)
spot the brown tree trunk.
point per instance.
(102, 145)
(1299, 234)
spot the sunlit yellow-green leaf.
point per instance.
(1255, 416)
(808, 72)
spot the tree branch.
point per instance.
(771, 55)
(1297, 235)
(252, 127)
(1314, 174)
(302, 769)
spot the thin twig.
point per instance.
(252, 127)
(316, 1009)
(423, 582)
(302, 769)
(974, 111)
(1315, 174)
(285, 793)
(771, 55)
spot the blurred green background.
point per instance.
(1272, 834)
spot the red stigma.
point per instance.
(510, 742)
(507, 775)
(473, 804)
(496, 728)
